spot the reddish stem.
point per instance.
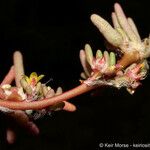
(83, 88)
(128, 59)
(9, 77)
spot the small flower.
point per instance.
(33, 79)
(101, 64)
(134, 73)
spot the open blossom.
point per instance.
(33, 79)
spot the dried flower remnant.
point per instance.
(100, 70)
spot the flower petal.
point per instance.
(40, 77)
(33, 75)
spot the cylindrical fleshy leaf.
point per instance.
(89, 53)
(118, 27)
(134, 28)
(123, 34)
(124, 23)
(69, 107)
(99, 54)
(112, 59)
(115, 21)
(50, 93)
(18, 65)
(39, 88)
(26, 86)
(111, 35)
(59, 91)
(83, 75)
(106, 56)
(44, 90)
(84, 62)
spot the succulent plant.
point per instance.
(104, 68)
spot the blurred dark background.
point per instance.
(50, 35)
